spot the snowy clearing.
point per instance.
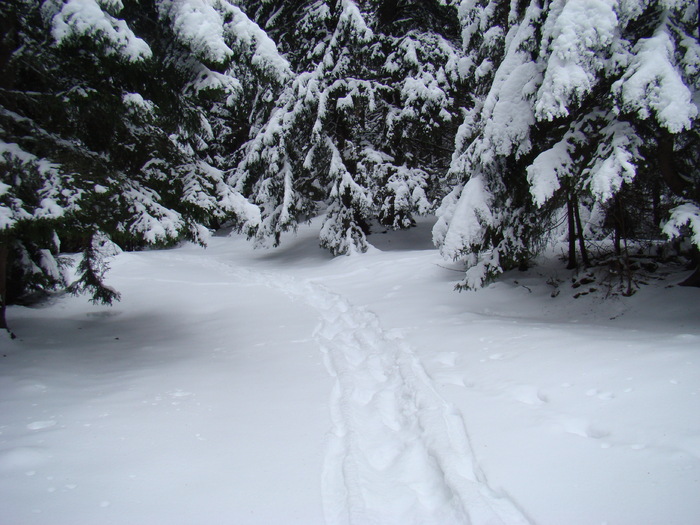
(232, 385)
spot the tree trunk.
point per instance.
(579, 227)
(656, 202)
(572, 233)
(670, 174)
(618, 224)
(3, 286)
(627, 271)
(616, 240)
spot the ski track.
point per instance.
(398, 453)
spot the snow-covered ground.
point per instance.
(238, 386)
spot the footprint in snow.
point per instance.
(40, 425)
(180, 393)
(583, 428)
(603, 396)
(529, 395)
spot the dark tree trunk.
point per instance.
(618, 225)
(670, 174)
(656, 202)
(572, 233)
(616, 241)
(579, 228)
(3, 286)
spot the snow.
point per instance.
(138, 103)
(14, 210)
(508, 114)
(682, 215)
(653, 84)
(198, 24)
(472, 209)
(155, 222)
(543, 174)
(233, 385)
(48, 208)
(12, 151)
(580, 34)
(208, 80)
(76, 18)
(265, 52)
(614, 164)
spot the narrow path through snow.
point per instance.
(398, 453)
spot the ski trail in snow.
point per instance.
(398, 452)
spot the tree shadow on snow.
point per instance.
(99, 340)
(419, 237)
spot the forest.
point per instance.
(144, 123)
(231, 233)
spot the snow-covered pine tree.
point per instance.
(347, 102)
(420, 41)
(575, 103)
(360, 132)
(487, 219)
(226, 72)
(304, 156)
(628, 96)
(103, 132)
(51, 132)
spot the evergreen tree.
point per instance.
(363, 129)
(487, 219)
(54, 130)
(106, 133)
(575, 104)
